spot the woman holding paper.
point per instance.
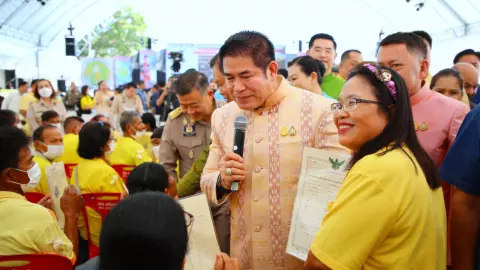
(389, 212)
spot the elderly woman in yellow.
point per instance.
(103, 98)
(389, 212)
(93, 174)
(46, 101)
(28, 228)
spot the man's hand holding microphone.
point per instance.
(232, 166)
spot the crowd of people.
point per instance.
(409, 199)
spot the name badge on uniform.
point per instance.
(189, 130)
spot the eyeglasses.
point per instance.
(350, 104)
(189, 221)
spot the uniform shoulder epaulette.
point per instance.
(175, 113)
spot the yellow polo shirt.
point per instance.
(42, 186)
(28, 228)
(86, 101)
(146, 141)
(96, 176)
(385, 216)
(128, 152)
(26, 99)
(70, 154)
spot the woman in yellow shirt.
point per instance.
(86, 102)
(389, 212)
(93, 174)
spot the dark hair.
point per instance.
(283, 72)
(157, 133)
(140, 82)
(12, 140)
(100, 83)
(7, 118)
(252, 44)
(424, 35)
(72, 119)
(322, 36)
(131, 85)
(189, 80)
(148, 176)
(22, 83)
(34, 82)
(160, 84)
(84, 90)
(308, 65)
(48, 115)
(214, 61)
(97, 117)
(149, 118)
(346, 54)
(462, 54)
(400, 129)
(151, 222)
(414, 43)
(35, 89)
(445, 73)
(40, 131)
(93, 138)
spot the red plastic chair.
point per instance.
(123, 170)
(34, 197)
(102, 203)
(36, 262)
(69, 169)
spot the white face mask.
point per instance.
(139, 134)
(156, 151)
(19, 125)
(59, 126)
(34, 175)
(53, 151)
(111, 146)
(45, 92)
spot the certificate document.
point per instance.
(57, 182)
(322, 175)
(202, 241)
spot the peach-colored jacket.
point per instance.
(261, 210)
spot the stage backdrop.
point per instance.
(97, 69)
(123, 70)
(148, 67)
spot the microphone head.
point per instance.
(241, 122)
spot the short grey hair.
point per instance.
(127, 118)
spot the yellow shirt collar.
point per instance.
(10, 195)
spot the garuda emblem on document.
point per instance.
(336, 164)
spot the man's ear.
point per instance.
(272, 70)
(18, 176)
(39, 146)
(424, 66)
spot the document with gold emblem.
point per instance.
(202, 240)
(322, 175)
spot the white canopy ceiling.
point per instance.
(26, 25)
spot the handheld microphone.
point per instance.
(240, 125)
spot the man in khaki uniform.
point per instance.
(187, 133)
